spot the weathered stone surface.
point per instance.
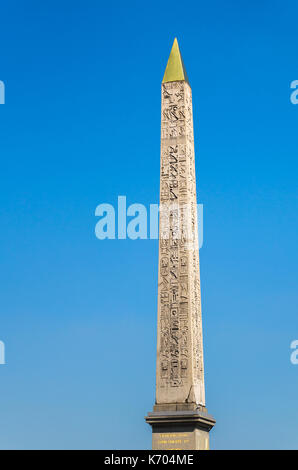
(180, 367)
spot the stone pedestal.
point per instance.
(180, 430)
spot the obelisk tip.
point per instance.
(175, 70)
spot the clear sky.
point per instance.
(80, 126)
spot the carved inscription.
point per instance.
(180, 348)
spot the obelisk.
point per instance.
(179, 419)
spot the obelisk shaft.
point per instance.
(180, 369)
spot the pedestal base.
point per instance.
(180, 430)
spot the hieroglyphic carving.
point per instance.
(180, 374)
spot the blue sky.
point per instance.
(81, 125)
